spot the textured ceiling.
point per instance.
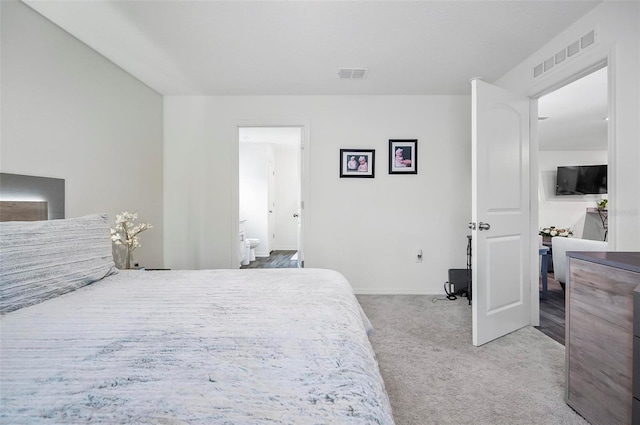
(296, 47)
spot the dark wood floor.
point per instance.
(552, 311)
(277, 260)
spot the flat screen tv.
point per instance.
(581, 180)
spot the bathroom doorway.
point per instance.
(270, 194)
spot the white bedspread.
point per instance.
(194, 347)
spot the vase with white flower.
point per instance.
(548, 232)
(125, 233)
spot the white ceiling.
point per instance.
(210, 47)
(575, 115)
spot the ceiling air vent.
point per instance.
(572, 49)
(352, 73)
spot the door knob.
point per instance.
(472, 225)
(484, 226)
(295, 215)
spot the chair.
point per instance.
(559, 248)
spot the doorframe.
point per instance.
(590, 62)
(235, 180)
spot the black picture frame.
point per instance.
(359, 163)
(403, 156)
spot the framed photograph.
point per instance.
(403, 156)
(357, 163)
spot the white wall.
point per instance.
(368, 229)
(287, 188)
(568, 211)
(253, 194)
(69, 113)
(618, 38)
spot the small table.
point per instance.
(543, 251)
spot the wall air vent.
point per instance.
(573, 48)
(587, 40)
(352, 73)
(548, 64)
(538, 70)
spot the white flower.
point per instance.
(125, 232)
(555, 231)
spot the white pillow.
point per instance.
(40, 260)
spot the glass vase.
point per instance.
(128, 255)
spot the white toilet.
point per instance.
(253, 243)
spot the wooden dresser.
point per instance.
(599, 335)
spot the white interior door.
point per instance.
(501, 276)
(271, 185)
(300, 211)
(298, 216)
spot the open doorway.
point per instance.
(269, 196)
(572, 138)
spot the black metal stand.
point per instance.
(469, 268)
(604, 218)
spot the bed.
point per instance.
(85, 343)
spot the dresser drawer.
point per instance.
(600, 369)
(603, 291)
(600, 340)
(636, 367)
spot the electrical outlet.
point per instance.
(419, 256)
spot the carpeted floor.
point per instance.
(434, 375)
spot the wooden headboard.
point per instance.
(29, 198)
(23, 210)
